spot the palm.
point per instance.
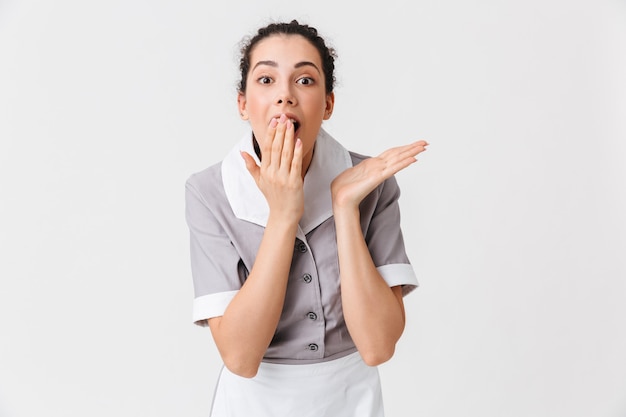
(352, 185)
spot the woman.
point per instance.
(298, 261)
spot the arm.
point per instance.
(373, 311)
(242, 335)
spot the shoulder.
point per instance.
(357, 157)
(207, 182)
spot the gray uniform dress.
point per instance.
(227, 214)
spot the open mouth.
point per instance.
(296, 124)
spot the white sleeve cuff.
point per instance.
(211, 305)
(399, 274)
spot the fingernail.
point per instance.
(273, 122)
(283, 118)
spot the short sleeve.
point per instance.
(216, 267)
(380, 216)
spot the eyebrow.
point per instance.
(297, 65)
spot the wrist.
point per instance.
(283, 221)
(346, 211)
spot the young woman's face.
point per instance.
(286, 77)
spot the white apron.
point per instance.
(344, 387)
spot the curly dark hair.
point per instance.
(327, 54)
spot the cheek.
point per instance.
(255, 96)
(309, 105)
(257, 114)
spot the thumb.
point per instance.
(251, 165)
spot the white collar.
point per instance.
(248, 203)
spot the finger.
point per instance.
(279, 140)
(397, 159)
(251, 165)
(420, 145)
(296, 161)
(399, 165)
(410, 150)
(266, 147)
(288, 147)
(415, 147)
(401, 152)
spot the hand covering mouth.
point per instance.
(296, 123)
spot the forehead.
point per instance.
(285, 49)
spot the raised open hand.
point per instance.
(351, 186)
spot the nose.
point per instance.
(285, 96)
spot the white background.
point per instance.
(515, 218)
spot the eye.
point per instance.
(264, 80)
(305, 81)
